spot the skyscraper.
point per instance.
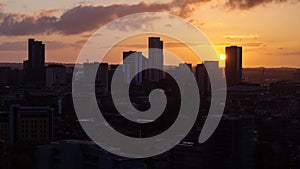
(133, 63)
(156, 59)
(102, 77)
(34, 66)
(204, 79)
(233, 69)
(55, 75)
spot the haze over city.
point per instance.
(267, 30)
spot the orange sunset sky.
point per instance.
(268, 30)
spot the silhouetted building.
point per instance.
(102, 78)
(111, 72)
(88, 68)
(181, 69)
(284, 88)
(298, 76)
(233, 143)
(273, 155)
(243, 99)
(34, 67)
(81, 155)
(30, 125)
(4, 76)
(133, 63)
(55, 75)
(9, 76)
(4, 134)
(202, 79)
(4, 126)
(189, 155)
(155, 46)
(233, 67)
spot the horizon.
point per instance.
(265, 43)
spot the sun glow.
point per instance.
(222, 56)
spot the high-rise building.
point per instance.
(34, 66)
(55, 75)
(101, 79)
(182, 71)
(202, 79)
(111, 72)
(233, 67)
(156, 58)
(133, 64)
(206, 72)
(88, 68)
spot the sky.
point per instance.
(268, 30)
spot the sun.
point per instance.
(222, 56)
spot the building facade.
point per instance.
(55, 75)
(34, 67)
(233, 65)
(156, 59)
(30, 125)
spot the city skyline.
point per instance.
(145, 84)
(265, 42)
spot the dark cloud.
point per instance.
(247, 4)
(197, 23)
(85, 18)
(13, 24)
(88, 18)
(133, 23)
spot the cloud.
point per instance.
(45, 12)
(85, 18)
(247, 4)
(254, 44)
(133, 23)
(247, 45)
(1, 5)
(250, 36)
(197, 23)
